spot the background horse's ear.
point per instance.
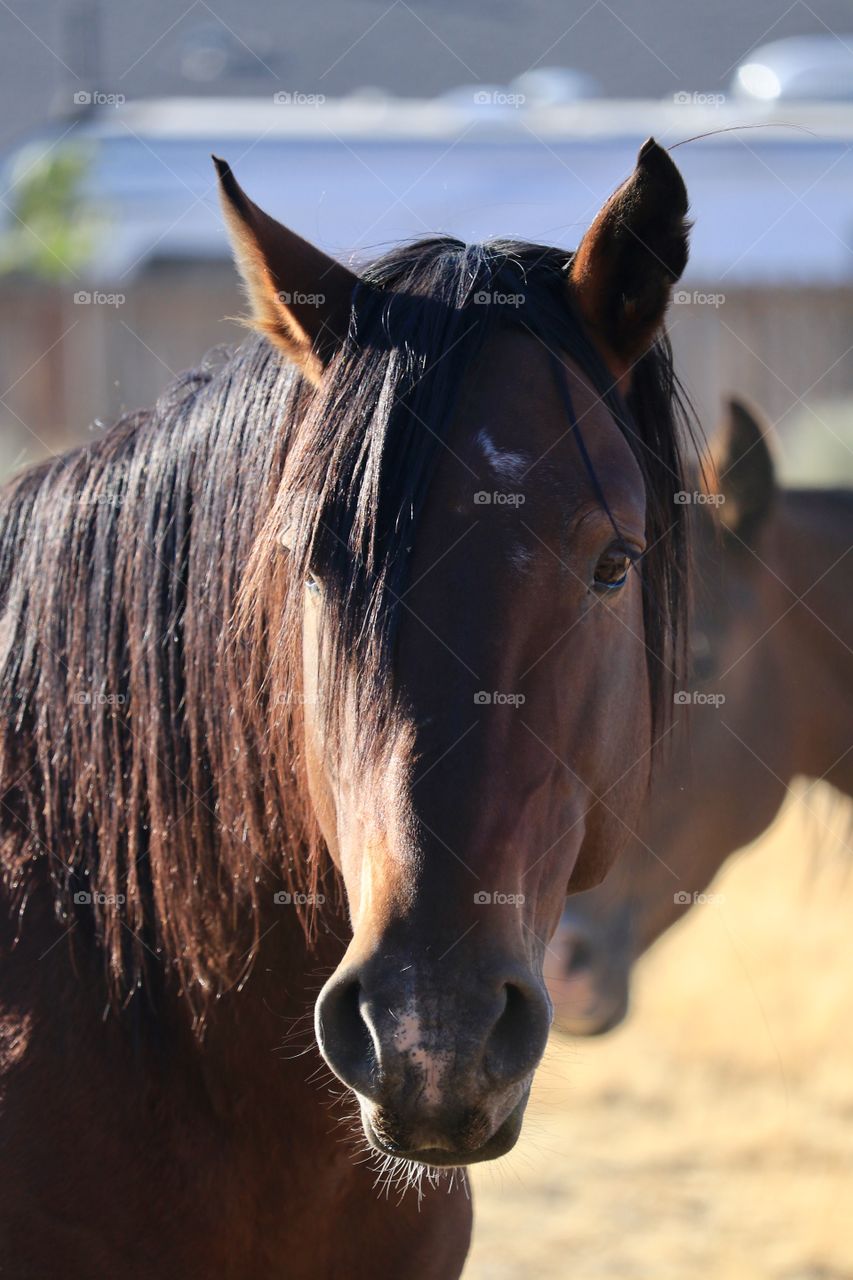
(746, 473)
(627, 263)
(300, 298)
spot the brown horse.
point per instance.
(264, 655)
(772, 697)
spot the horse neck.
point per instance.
(811, 535)
(260, 1037)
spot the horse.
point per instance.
(770, 697)
(313, 678)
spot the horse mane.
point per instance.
(150, 634)
(131, 760)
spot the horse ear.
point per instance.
(300, 298)
(623, 272)
(746, 473)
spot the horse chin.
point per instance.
(405, 1142)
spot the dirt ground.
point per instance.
(712, 1135)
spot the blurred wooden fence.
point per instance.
(65, 364)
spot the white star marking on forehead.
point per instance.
(505, 465)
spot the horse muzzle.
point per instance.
(442, 1074)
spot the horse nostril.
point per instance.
(580, 957)
(343, 1035)
(517, 1039)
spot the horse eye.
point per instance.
(312, 584)
(611, 572)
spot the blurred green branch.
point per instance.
(50, 232)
